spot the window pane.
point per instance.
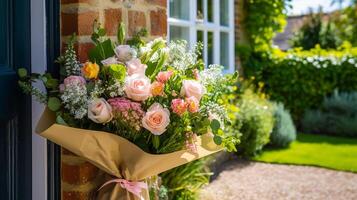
(200, 9)
(224, 50)
(210, 10)
(179, 33)
(200, 39)
(3, 34)
(180, 9)
(209, 48)
(224, 12)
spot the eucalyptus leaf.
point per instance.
(54, 103)
(217, 140)
(60, 120)
(215, 125)
(22, 72)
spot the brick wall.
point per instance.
(80, 179)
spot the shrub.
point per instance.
(301, 79)
(284, 131)
(337, 116)
(256, 119)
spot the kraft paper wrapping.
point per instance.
(117, 156)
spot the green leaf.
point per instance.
(102, 51)
(215, 125)
(118, 71)
(217, 139)
(60, 120)
(54, 103)
(102, 32)
(156, 141)
(22, 72)
(121, 33)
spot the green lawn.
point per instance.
(317, 150)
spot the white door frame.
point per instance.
(39, 65)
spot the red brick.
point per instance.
(158, 20)
(162, 3)
(75, 195)
(112, 19)
(79, 23)
(74, 1)
(82, 51)
(78, 174)
(137, 21)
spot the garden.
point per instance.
(152, 117)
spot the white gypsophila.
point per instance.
(211, 75)
(75, 99)
(116, 89)
(97, 90)
(214, 110)
(179, 57)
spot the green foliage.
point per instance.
(257, 122)
(262, 20)
(301, 79)
(316, 32)
(337, 116)
(345, 21)
(284, 131)
(184, 182)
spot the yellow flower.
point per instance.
(157, 89)
(90, 70)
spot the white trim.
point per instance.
(38, 63)
(194, 25)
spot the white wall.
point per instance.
(38, 63)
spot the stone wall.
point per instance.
(80, 179)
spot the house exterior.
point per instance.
(36, 32)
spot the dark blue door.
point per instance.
(15, 108)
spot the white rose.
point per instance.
(156, 119)
(99, 111)
(134, 66)
(192, 88)
(125, 53)
(109, 61)
(137, 87)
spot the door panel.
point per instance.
(15, 108)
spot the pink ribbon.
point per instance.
(131, 186)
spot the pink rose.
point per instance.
(109, 61)
(156, 119)
(134, 66)
(137, 87)
(99, 111)
(192, 88)
(178, 106)
(192, 104)
(163, 77)
(74, 80)
(124, 53)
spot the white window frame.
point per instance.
(195, 25)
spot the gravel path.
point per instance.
(250, 180)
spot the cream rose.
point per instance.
(192, 88)
(99, 111)
(156, 119)
(110, 61)
(125, 53)
(134, 66)
(137, 87)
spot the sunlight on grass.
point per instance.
(317, 150)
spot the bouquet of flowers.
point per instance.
(135, 109)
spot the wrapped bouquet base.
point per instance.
(125, 162)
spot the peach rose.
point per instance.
(134, 66)
(90, 70)
(125, 53)
(178, 106)
(192, 104)
(157, 89)
(192, 88)
(156, 119)
(137, 87)
(99, 111)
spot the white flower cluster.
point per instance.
(212, 110)
(75, 99)
(211, 75)
(322, 61)
(116, 89)
(97, 90)
(179, 57)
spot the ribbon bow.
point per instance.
(130, 186)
